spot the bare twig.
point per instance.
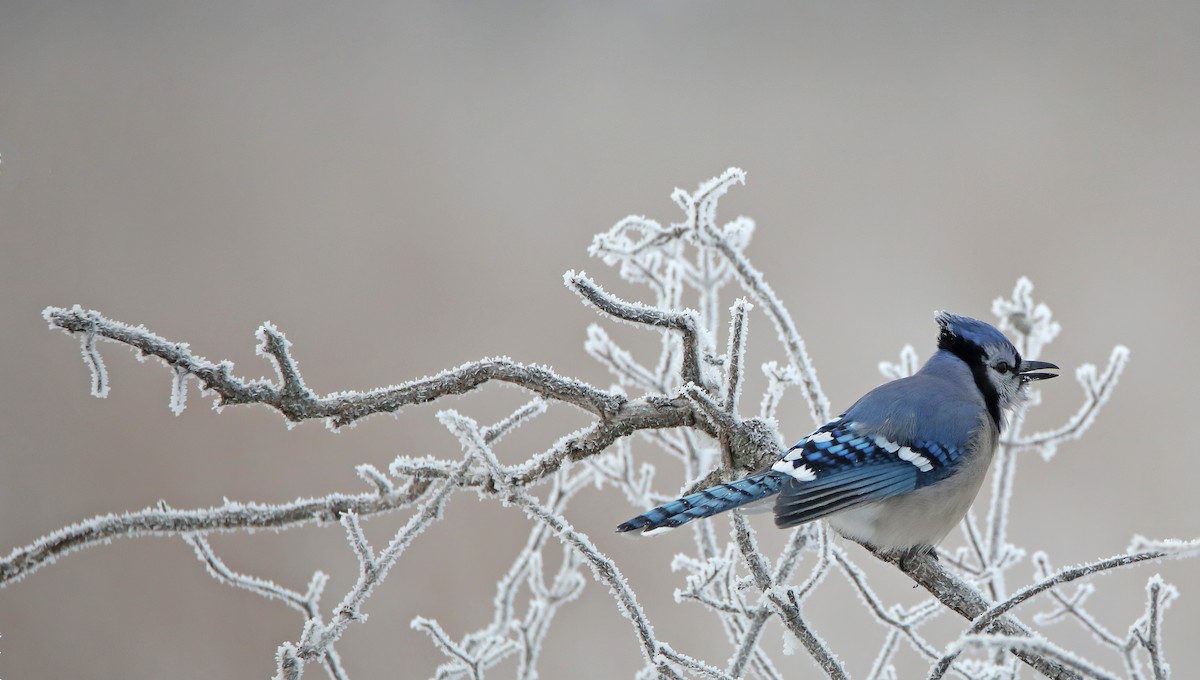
(296, 402)
(985, 620)
(959, 596)
(1042, 649)
(604, 569)
(684, 322)
(307, 603)
(736, 353)
(1097, 390)
(374, 568)
(786, 604)
(232, 516)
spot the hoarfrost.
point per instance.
(684, 402)
(95, 363)
(179, 394)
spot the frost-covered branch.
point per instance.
(687, 404)
(755, 283)
(683, 322)
(1096, 390)
(736, 353)
(1144, 633)
(985, 620)
(296, 402)
(1148, 629)
(905, 625)
(1032, 327)
(511, 632)
(231, 516)
(620, 362)
(318, 637)
(700, 225)
(656, 654)
(307, 603)
(1020, 645)
(968, 602)
(785, 603)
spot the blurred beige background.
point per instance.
(399, 186)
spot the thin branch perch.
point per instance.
(686, 404)
(296, 402)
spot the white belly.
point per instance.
(924, 517)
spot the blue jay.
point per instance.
(900, 467)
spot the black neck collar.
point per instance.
(973, 356)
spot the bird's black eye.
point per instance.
(1002, 367)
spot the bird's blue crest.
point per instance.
(973, 331)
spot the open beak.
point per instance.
(1028, 366)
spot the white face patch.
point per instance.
(802, 473)
(1007, 385)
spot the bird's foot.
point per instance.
(910, 558)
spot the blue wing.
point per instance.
(843, 465)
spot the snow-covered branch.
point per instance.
(231, 516)
(683, 322)
(657, 655)
(985, 620)
(785, 603)
(686, 402)
(961, 597)
(296, 402)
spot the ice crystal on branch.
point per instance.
(1031, 323)
(908, 364)
(687, 402)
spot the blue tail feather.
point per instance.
(708, 502)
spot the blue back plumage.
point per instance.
(900, 437)
(933, 413)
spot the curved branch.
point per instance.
(306, 603)
(987, 618)
(1023, 645)
(859, 580)
(754, 283)
(232, 516)
(638, 414)
(786, 605)
(603, 568)
(297, 402)
(684, 322)
(1097, 390)
(968, 602)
